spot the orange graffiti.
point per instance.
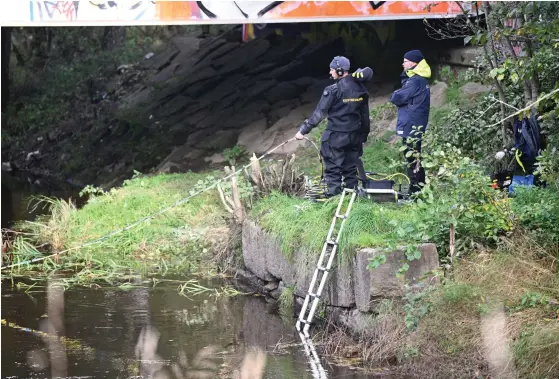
(176, 10)
(305, 9)
(245, 12)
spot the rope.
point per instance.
(319, 158)
(65, 340)
(502, 102)
(388, 176)
(485, 111)
(177, 203)
(527, 108)
(69, 343)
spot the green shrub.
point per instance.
(234, 154)
(537, 209)
(468, 129)
(457, 193)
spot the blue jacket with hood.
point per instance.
(413, 100)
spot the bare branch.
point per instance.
(222, 197)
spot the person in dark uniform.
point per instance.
(413, 101)
(344, 103)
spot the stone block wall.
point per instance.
(350, 283)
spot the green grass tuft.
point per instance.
(386, 111)
(536, 351)
(301, 225)
(380, 157)
(174, 240)
(286, 302)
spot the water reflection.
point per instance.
(150, 333)
(318, 371)
(18, 190)
(53, 325)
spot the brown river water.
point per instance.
(147, 332)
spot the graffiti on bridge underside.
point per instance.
(247, 11)
(243, 8)
(58, 9)
(92, 10)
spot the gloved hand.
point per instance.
(358, 74)
(305, 128)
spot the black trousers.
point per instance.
(340, 152)
(414, 170)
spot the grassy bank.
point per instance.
(492, 318)
(177, 241)
(494, 314)
(302, 225)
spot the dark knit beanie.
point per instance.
(414, 56)
(340, 62)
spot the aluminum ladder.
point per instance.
(317, 370)
(328, 253)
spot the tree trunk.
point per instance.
(491, 58)
(38, 45)
(535, 79)
(452, 244)
(6, 52)
(525, 83)
(113, 36)
(502, 97)
(17, 53)
(493, 62)
(49, 40)
(535, 82)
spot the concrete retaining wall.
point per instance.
(350, 285)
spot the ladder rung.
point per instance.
(331, 252)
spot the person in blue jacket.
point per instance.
(413, 101)
(344, 103)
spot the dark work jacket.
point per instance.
(345, 103)
(413, 100)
